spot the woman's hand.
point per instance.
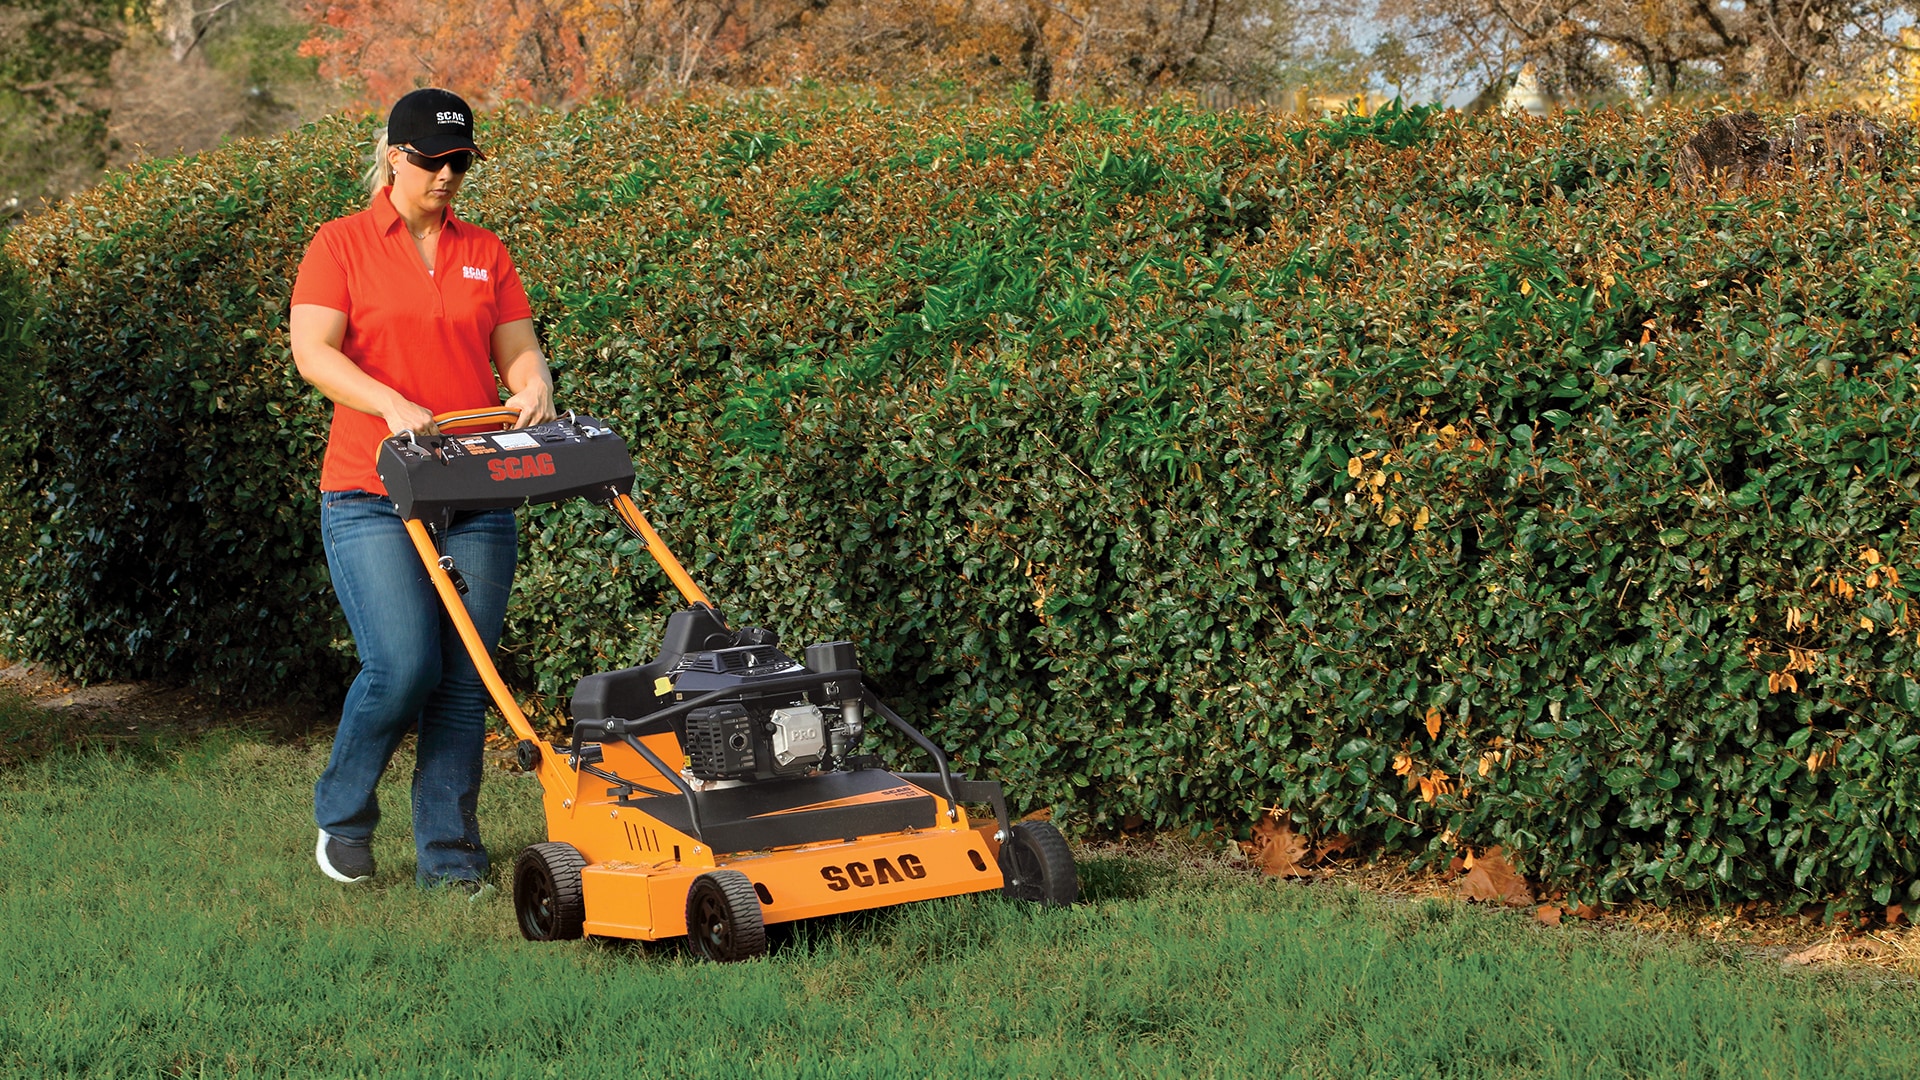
(403, 415)
(534, 404)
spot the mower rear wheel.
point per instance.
(547, 894)
(1038, 866)
(723, 917)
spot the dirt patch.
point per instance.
(1805, 940)
(64, 714)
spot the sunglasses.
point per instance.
(460, 160)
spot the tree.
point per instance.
(1776, 48)
(557, 50)
(53, 114)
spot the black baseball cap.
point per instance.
(433, 122)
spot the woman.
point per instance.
(399, 312)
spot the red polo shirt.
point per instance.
(427, 335)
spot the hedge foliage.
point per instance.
(1447, 481)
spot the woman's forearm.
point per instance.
(516, 353)
(316, 333)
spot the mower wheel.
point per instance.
(1038, 866)
(547, 895)
(723, 917)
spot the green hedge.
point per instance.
(1446, 481)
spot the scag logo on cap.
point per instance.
(444, 117)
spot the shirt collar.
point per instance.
(386, 216)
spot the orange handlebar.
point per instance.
(463, 417)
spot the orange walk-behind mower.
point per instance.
(717, 788)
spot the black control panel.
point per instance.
(430, 477)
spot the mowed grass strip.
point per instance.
(163, 917)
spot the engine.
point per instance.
(761, 737)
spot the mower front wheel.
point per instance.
(1038, 865)
(547, 894)
(723, 917)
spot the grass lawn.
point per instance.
(164, 918)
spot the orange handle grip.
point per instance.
(464, 417)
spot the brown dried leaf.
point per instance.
(1279, 851)
(1894, 914)
(1548, 914)
(1586, 912)
(1433, 722)
(1337, 844)
(1493, 880)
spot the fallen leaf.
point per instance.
(1494, 880)
(1894, 914)
(1337, 844)
(1586, 912)
(1045, 813)
(1549, 914)
(1279, 851)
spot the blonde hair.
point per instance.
(379, 174)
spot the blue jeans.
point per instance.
(414, 674)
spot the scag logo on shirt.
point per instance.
(523, 467)
(474, 273)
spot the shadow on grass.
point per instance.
(146, 723)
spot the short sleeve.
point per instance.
(322, 279)
(510, 298)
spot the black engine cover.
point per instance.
(721, 742)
